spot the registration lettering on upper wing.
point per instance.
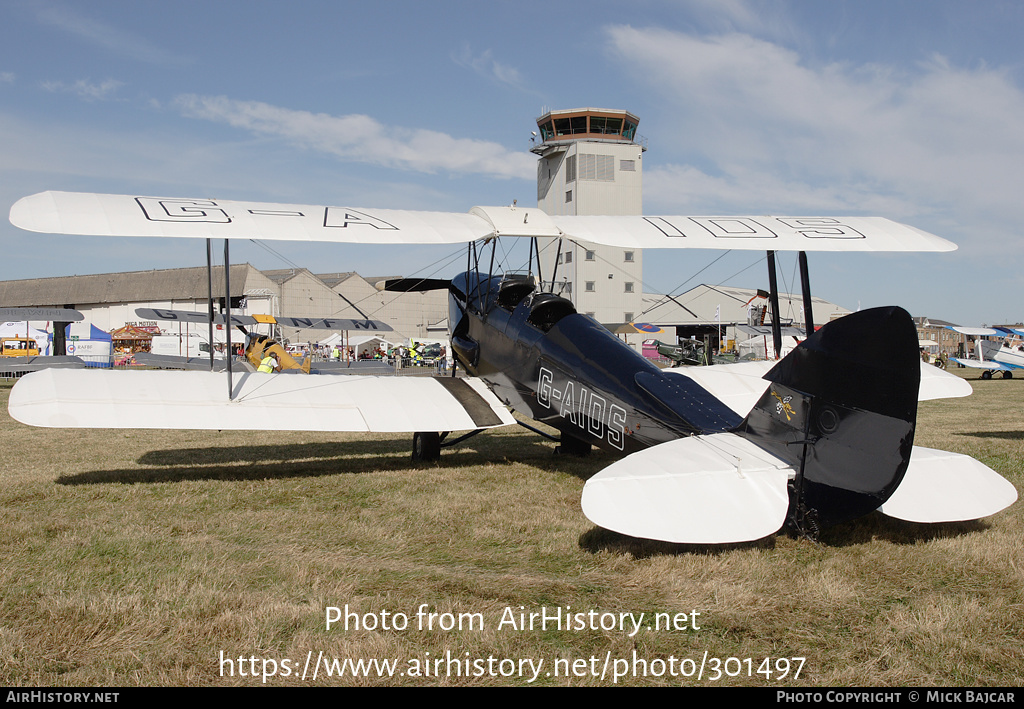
(821, 228)
(753, 228)
(718, 227)
(343, 217)
(176, 210)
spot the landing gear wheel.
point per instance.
(986, 374)
(1007, 375)
(426, 446)
(572, 446)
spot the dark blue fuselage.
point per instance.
(564, 369)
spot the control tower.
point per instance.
(590, 164)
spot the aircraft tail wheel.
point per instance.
(1007, 375)
(426, 446)
(986, 374)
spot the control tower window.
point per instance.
(605, 126)
(571, 126)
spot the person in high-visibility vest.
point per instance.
(269, 364)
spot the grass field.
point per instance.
(153, 557)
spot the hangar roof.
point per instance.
(157, 284)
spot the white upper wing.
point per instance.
(123, 215)
(262, 402)
(973, 330)
(757, 233)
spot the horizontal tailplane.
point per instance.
(710, 489)
(948, 487)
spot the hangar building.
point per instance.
(109, 300)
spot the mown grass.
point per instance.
(138, 557)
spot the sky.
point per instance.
(911, 110)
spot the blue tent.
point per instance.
(92, 345)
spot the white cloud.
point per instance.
(363, 139)
(741, 16)
(6, 77)
(488, 67)
(103, 35)
(761, 124)
(84, 88)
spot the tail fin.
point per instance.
(841, 409)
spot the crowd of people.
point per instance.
(413, 355)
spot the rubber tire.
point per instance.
(1007, 375)
(986, 374)
(426, 447)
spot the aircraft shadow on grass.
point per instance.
(299, 460)
(872, 527)
(1008, 435)
(303, 460)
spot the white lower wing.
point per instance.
(948, 487)
(981, 364)
(699, 490)
(937, 383)
(740, 385)
(261, 402)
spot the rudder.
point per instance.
(842, 409)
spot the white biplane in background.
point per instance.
(28, 358)
(710, 454)
(994, 356)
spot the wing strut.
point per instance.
(554, 269)
(805, 284)
(209, 300)
(227, 313)
(773, 298)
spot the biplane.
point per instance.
(709, 455)
(21, 354)
(1004, 355)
